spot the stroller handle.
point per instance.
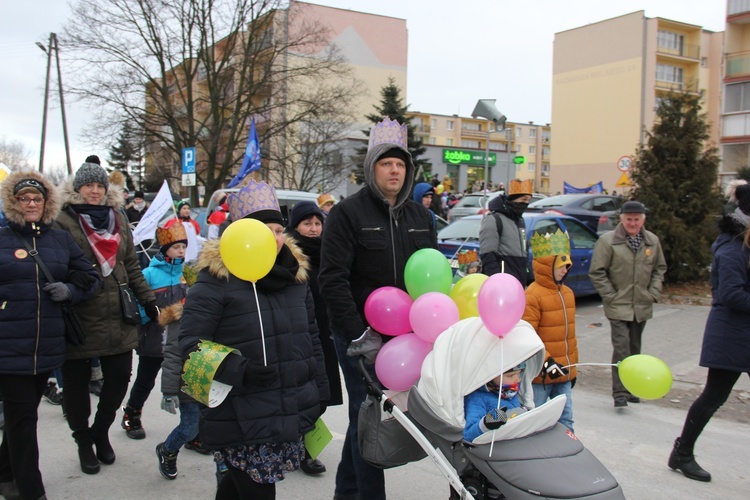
(373, 385)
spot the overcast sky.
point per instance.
(459, 52)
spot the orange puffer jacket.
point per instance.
(551, 310)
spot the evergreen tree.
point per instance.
(392, 106)
(675, 174)
(126, 155)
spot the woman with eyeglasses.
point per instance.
(32, 330)
(92, 215)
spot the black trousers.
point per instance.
(19, 453)
(238, 485)
(77, 401)
(719, 384)
(145, 379)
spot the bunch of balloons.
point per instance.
(430, 307)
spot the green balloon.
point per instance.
(427, 270)
(645, 376)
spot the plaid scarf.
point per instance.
(635, 241)
(104, 242)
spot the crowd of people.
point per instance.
(297, 333)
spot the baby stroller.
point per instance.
(531, 456)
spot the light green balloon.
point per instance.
(427, 270)
(645, 376)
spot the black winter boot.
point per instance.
(685, 462)
(131, 422)
(86, 455)
(104, 451)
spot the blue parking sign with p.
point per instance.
(188, 160)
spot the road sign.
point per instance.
(623, 181)
(519, 160)
(188, 162)
(188, 179)
(624, 163)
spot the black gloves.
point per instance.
(257, 374)
(81, 279)
(494, 419)
(58, 291)
(151, 310)
(553, 369)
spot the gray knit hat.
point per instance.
(90, 172)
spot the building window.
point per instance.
(519, 132)
(545, 151)
(432, 141)
(449, 142)
(737, 97)
(449, 125)
(545, 168)
(497, 146)
(532, 150)
(433, 123)
(532, 133)
(470, 144)
(518, 167)
(669, 74)
(674, 42)
(531, 166)
(474, 127)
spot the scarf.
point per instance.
(283, 273)
(102, 230)
(310, 246)
(139, 206)
(634, 241)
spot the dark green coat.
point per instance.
(106, 333)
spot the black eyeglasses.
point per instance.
(25, 200)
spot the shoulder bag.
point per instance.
(74, 332)
(128, 304)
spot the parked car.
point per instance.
(464, 235)
(591, 209)
(476, 204)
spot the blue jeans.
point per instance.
(543, 392)
(187, 429)
(355, 476)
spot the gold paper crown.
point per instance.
(252, 197)
(388, 131)
(544, 245)
(172, 234)
(518, 186)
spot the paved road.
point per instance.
(633, 442)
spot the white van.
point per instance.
(287, 200)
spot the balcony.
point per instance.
(691, 87)
(688, 51)
(474, 134)
(738, 7)
(422, 129)
(738, 64)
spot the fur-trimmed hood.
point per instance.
(12, 209)
(210, 259)
(70, 196)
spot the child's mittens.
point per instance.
(170, 403)
(553, 369)
(493, 420)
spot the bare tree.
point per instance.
(195, 72)
(14, 154)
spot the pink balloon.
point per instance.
(387, 310)
(431, 314)
(399, 362)
(501, 302)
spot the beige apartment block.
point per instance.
(456, 147)
(735, 129)
(608, 78)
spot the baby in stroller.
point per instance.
(493, 404)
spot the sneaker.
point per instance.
(52, 395)
(131, 422)
(196, 445)
(167, 462)
(621, 401)
(95, 387)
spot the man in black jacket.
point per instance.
(366, 243)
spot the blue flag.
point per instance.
(251, 162)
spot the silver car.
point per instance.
(476, 204)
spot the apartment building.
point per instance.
(608, 78)
(456, 147)
(735, 117)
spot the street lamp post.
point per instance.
(485, 108)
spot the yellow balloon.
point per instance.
(248, 249)
(465, 292)
(439, 189)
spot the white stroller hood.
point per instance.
(467, 356)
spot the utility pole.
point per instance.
(53, 45)
(48, 50)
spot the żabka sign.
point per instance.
(460, 156)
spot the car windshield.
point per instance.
(553, 201)
(473, 201)
(461, 229)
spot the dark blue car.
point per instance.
(464, 235)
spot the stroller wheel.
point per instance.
(475, 487)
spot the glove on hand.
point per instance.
(495, 419)
(170, 403)
(553, 369)
(81, 280)
(257, 374)
(367, 346)
(58, 291)
(151, 310)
